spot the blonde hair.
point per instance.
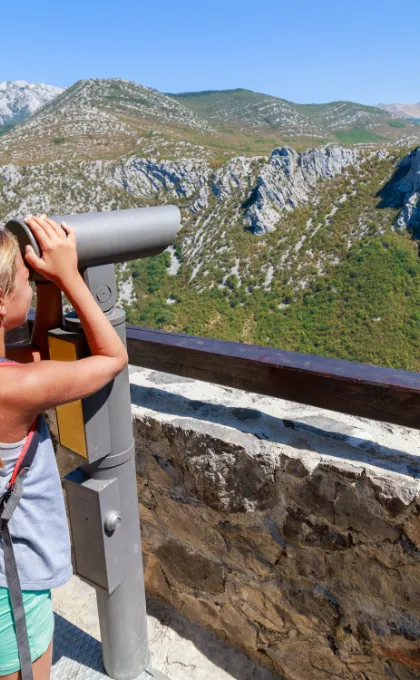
(9, 249)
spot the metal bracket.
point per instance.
(95, 519)
(102, 284)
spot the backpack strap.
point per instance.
(15, 590)
(8, 504)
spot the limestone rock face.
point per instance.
(102, 185)
(290, 531)
(286, 181)
(251, 191)
(290, 178)
(234, 175)
(186, 178)
(408, 189)
(259, 191)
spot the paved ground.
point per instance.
(181, 649)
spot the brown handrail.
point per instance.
(362, 390)
(383, 394)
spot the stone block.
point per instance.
(412, 529)
(192, 570)
(307, 661)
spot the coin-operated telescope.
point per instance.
(102, 493)
(106, 238)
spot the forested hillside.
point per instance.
(346, 284)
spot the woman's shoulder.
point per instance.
(15, 419)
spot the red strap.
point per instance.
(22, 453)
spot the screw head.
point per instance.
(103, 294)
(112, 521)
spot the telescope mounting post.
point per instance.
(103, 507)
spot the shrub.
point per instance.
(397, 123)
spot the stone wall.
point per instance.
(292, 532)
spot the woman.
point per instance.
(30, 383)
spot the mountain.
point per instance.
(106, 119)
(311, 247)
(125, 98)
(19, 99)
(101, 119)
(250, 111)
(410, 111)
(342, 115)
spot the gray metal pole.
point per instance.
(122, 614)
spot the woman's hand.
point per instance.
(58, 262)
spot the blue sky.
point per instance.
(302, 50)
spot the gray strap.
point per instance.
(13, 583)
(11, 504)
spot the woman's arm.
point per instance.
(46, 384)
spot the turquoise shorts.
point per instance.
(39, 622)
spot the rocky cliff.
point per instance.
(406, 191)
(290, 179)
(286, 181)
(261, 190)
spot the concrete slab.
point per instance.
(78, 656)
(180, 649)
